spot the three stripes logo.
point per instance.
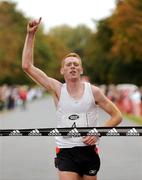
(93, 132)
(132, 132)
(35, 132)
(113, 132)
(15, 133)
(54, 132)
(74, 133)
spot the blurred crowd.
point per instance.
(18, 96)
(127, 97)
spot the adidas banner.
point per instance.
(75, 132)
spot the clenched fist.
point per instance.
(33, 26)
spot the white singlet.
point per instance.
(75, 113)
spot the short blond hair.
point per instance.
(72, 54)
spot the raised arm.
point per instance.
(35, 73)
(107, 106)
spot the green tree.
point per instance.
(97, 53)
(74, 39)
(12, 36)
(115, 52)
(59, 51)
(126, 52)
(126, 23)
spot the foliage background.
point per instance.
(112, 53)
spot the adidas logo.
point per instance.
(132, 132)
(74, 132)
(35, 132)
(15, 133)
(93, 132)
(54, 132)
(112, 132)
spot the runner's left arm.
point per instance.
(108, 106)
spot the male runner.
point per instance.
(75, 102)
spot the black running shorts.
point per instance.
(82, 160)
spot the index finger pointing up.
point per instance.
(39, 20)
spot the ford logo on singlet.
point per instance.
(73, 117)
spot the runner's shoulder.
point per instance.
(95, 89)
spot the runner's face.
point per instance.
(72, 68)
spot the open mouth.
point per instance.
(73, 72)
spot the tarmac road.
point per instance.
(31, 158)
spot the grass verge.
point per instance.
(133, 118)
